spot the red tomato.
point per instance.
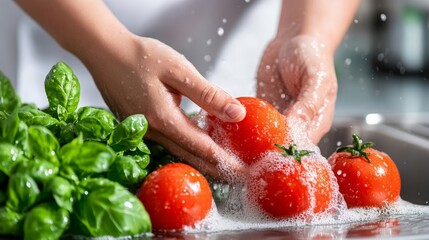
(261, 128)
(371, 181)
(175, 195)
(284, 187)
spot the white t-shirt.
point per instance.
(224, 39)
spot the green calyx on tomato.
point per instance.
(366, 180)
(358, 148)
(293, 152)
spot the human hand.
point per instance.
(147, 76)
(297, 76)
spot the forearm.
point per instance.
(325, 20)
(85, 28)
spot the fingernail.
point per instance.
(234, 111)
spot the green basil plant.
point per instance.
(69, 170)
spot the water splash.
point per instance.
(348, 61)
(207, 58)
(220, 31)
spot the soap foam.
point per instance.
(238, 212)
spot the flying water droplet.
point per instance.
(348, 61)
(207, 58)
(220, 31)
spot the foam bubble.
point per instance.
(235, 210)
(218, 221)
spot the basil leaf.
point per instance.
(108, 209)
(43, 144)
(46, 221)
(127, 172)
(88, 157)
(62, 113)
(40, 170)
(71, 150)
(22, 192)
(3, 116)
(68, 173)
(63, 90)
(143, 148)
(142, 160)
(95, 124)
(62, 191)
(11, 222)
(9, 127)
(129, 133)
(140, 157)
(9, 100)
(67, 133)
(27, 106)
(10, 156)
(22, 140)
(36, 117)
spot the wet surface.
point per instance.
(395, 135)
(391, 227)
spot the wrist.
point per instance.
(102, 46)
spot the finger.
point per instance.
(209, 97)
(322, 123)
(208, 168)
(316, 117)
(184, 139)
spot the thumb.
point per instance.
(316, 119)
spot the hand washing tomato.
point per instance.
(285, 186)
(175, 196)
(366, 177)
(262, 127)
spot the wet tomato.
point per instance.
(261, 128)
(366, 177)
(287, 186)
(175, 196)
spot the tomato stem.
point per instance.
(292, 151)
(357, 149)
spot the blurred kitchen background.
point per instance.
(383, 62)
